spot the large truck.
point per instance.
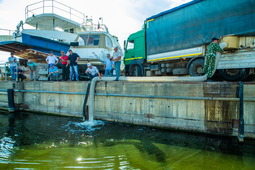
(174, 42)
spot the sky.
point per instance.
(122, 17)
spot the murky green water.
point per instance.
(30, 141)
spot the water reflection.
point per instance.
(50, 142)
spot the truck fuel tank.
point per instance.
(230, 43)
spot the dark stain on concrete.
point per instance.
(219, 114)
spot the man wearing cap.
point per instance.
(13, 66)
(73, 59)
(210, 58)
(92, 71)
(32, 68)
(53, 72)
(116, 57)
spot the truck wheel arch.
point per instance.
(193, 65)
(136, 70)
(195, 58)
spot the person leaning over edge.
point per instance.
(210, 58)
(116, 57)
(73, 59)
(92, 71)
(32, 68)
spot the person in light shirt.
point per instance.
(51, 59)
(92, 71)
(13, 66)
(116, 57)
(108, 66)
(32, 68)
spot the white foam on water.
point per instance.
(86, 126)
(6, 148)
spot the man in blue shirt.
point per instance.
(13, 66)
(53, 72)
(108, 66)
(32, 68)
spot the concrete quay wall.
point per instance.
(210, 107)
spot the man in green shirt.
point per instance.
(210, 58)
(32, 68)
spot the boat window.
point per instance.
(108, 42)
(91, 40)
(130, 45)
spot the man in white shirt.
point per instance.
(116, 57)
(51, 59)
(92, 71)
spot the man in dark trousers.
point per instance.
(73, 59)
(64, 59)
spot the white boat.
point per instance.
(55, 27)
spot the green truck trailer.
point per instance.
(174, 42)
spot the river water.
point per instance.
(34, 141)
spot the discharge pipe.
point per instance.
(137, 79)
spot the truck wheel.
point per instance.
(234, 74)
(196, 67)
(136, 70)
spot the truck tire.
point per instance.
(234, 74)
(136, 70)
(196, 67)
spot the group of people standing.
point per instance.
(71, 62)
(66, 61)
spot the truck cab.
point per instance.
(135, 53)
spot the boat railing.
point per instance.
(4, 71)
(54, 7)
(89, 25)
(6, 35)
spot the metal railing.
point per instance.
(5, 72)
(54, 7)
(6, 35)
